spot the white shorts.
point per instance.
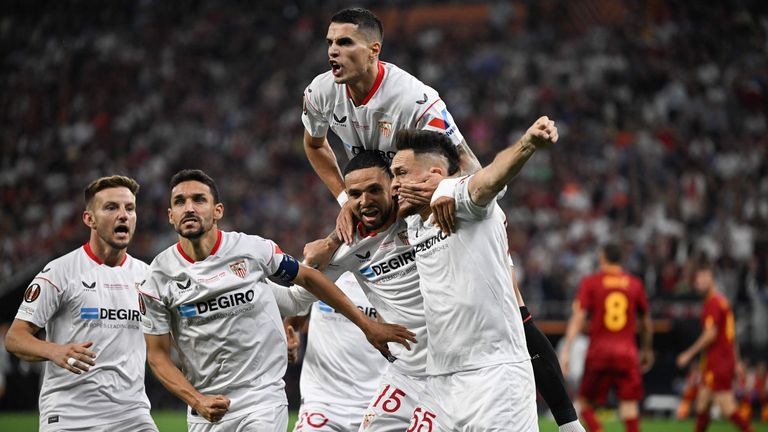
(393, 404)
(318, 416)
(140, 423)
(494, 398)
(267, 419)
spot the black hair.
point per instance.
(196, 175)
(612, 252)
(365, 20)
(425, 141)
(368, 159)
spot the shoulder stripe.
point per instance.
(49, 281)
(425, 111)
(309, 102)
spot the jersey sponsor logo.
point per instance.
(239, 269)
(109, 314)
(89, 287)
(185, 286)
(364, 257)
(340, 121)
(390, 265)
(369, 311)
(221, 302)
(32, 293)
(429, 243)
(423, 101)
(385, 128)
(355, 150)
(443, 123)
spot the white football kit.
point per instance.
(226, 326)
(398, 100)
(473, 319)
(341, 370)
(77, 298)
(385, 266)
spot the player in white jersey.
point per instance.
(365, 102)
(475, 343)
(87, 302)
(340, 370)
(208, 291)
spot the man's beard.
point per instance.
(192, 235)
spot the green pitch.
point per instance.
(172, 421)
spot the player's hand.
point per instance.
(317, 254)
(345, 223)
(379, 333)
(646, 360)
(212, 408)
(683, 359)
(293, 343)
(82, 357)
(420, 193)
(542, 134)
(444, 211)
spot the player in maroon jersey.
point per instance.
(718, 362)
(613, 299)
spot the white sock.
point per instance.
(573, 426)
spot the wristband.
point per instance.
(342, 198)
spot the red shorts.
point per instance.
(597, 382)
(719, 378)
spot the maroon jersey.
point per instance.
(612, 298)
(720, 355)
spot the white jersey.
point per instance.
(385, 266)
(224, 320)
(340, 366)
(77, 298)
(398, 100)
(473, 318)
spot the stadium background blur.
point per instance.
(661, 107)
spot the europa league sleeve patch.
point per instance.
(32, 293)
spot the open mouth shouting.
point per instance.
(336, 68)
(122, 232)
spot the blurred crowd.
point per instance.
(661, 107)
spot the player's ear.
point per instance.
(88, 219)
(170, 218)
(218, 211)
(438, 170)
(375, 48)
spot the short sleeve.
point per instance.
(465, 207)
(436, 117)
(292, 301)
(42, 297)
(583, 295)
(155, 315)
(312, 116)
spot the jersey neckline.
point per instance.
(376, 85)
(213, 251)
(91, 255)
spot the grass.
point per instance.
(173, 421)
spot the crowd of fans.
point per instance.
(661, 109)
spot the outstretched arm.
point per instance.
(489, 181)
(378, 334)
(706, 338)
(212, 408)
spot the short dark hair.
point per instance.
(426, 141)
(367, 159)
(365, 20)
(109, 182)
(196, 175)
(702, 263)
(612, 252)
